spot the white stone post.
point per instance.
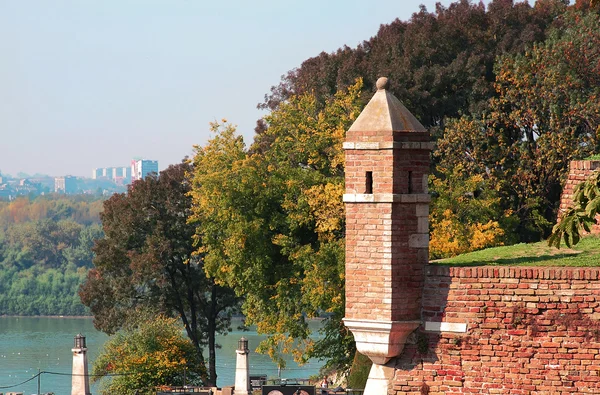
(242, 372)
(80, 381)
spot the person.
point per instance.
(324, 385)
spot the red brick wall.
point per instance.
(529, 331)
(417, 163)
(367, 237)
(579, 170)
(383, 283)
(408, 264)
(390, 170)
(358, 162)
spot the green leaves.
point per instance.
(544, 115)
(580, 217)
(146, 260)
(138, 359)
(271, 221)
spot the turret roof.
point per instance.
(385, 112)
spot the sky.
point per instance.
(95, 83)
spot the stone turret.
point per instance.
(387, 234)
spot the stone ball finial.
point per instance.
(382, 83)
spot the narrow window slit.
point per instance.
(410, 188)
(369, 183)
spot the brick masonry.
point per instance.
(579, 171)
(516, 330)
(383, 283)
(530, 330)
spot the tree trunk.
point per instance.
(190, 328)
(212, 329)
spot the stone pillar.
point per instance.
(242, 372)
(387, 231)
(80, 381)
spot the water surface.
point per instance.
(31, 343)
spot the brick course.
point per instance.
(530, 330)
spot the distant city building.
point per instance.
(10, 188)
(140, 168)
(66, 185)
(121, 172)
(119, 175)
(97, 173)
(123, 175)
(107, 172)
(5, 193)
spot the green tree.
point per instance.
(145, 259)
(465, 214)
(440, 62)
(44, 242)
(81, 254)
(271, 221)
(545, 115)
(136, 360)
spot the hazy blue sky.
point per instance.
(93, 83)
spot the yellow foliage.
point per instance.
(327, 207)
(485, 235)
(450, 237)
(155, 353)
(271, 219)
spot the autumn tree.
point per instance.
(138, 359)
(546, 113)
(83, 209)
(271, 221)
(145, 259)
(466, 214)
(440, 63)
(45, 250)
(443, 65)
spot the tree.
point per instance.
(136, 360)
(546, 114)
(81, 255)
(145, 259)
(465, 214)
(271, 221)
(439, 63)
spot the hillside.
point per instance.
(45, 253)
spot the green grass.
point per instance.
(593, 157)
(586, 253)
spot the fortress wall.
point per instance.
(579, 171)
(529, 330)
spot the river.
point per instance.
(31, 343)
